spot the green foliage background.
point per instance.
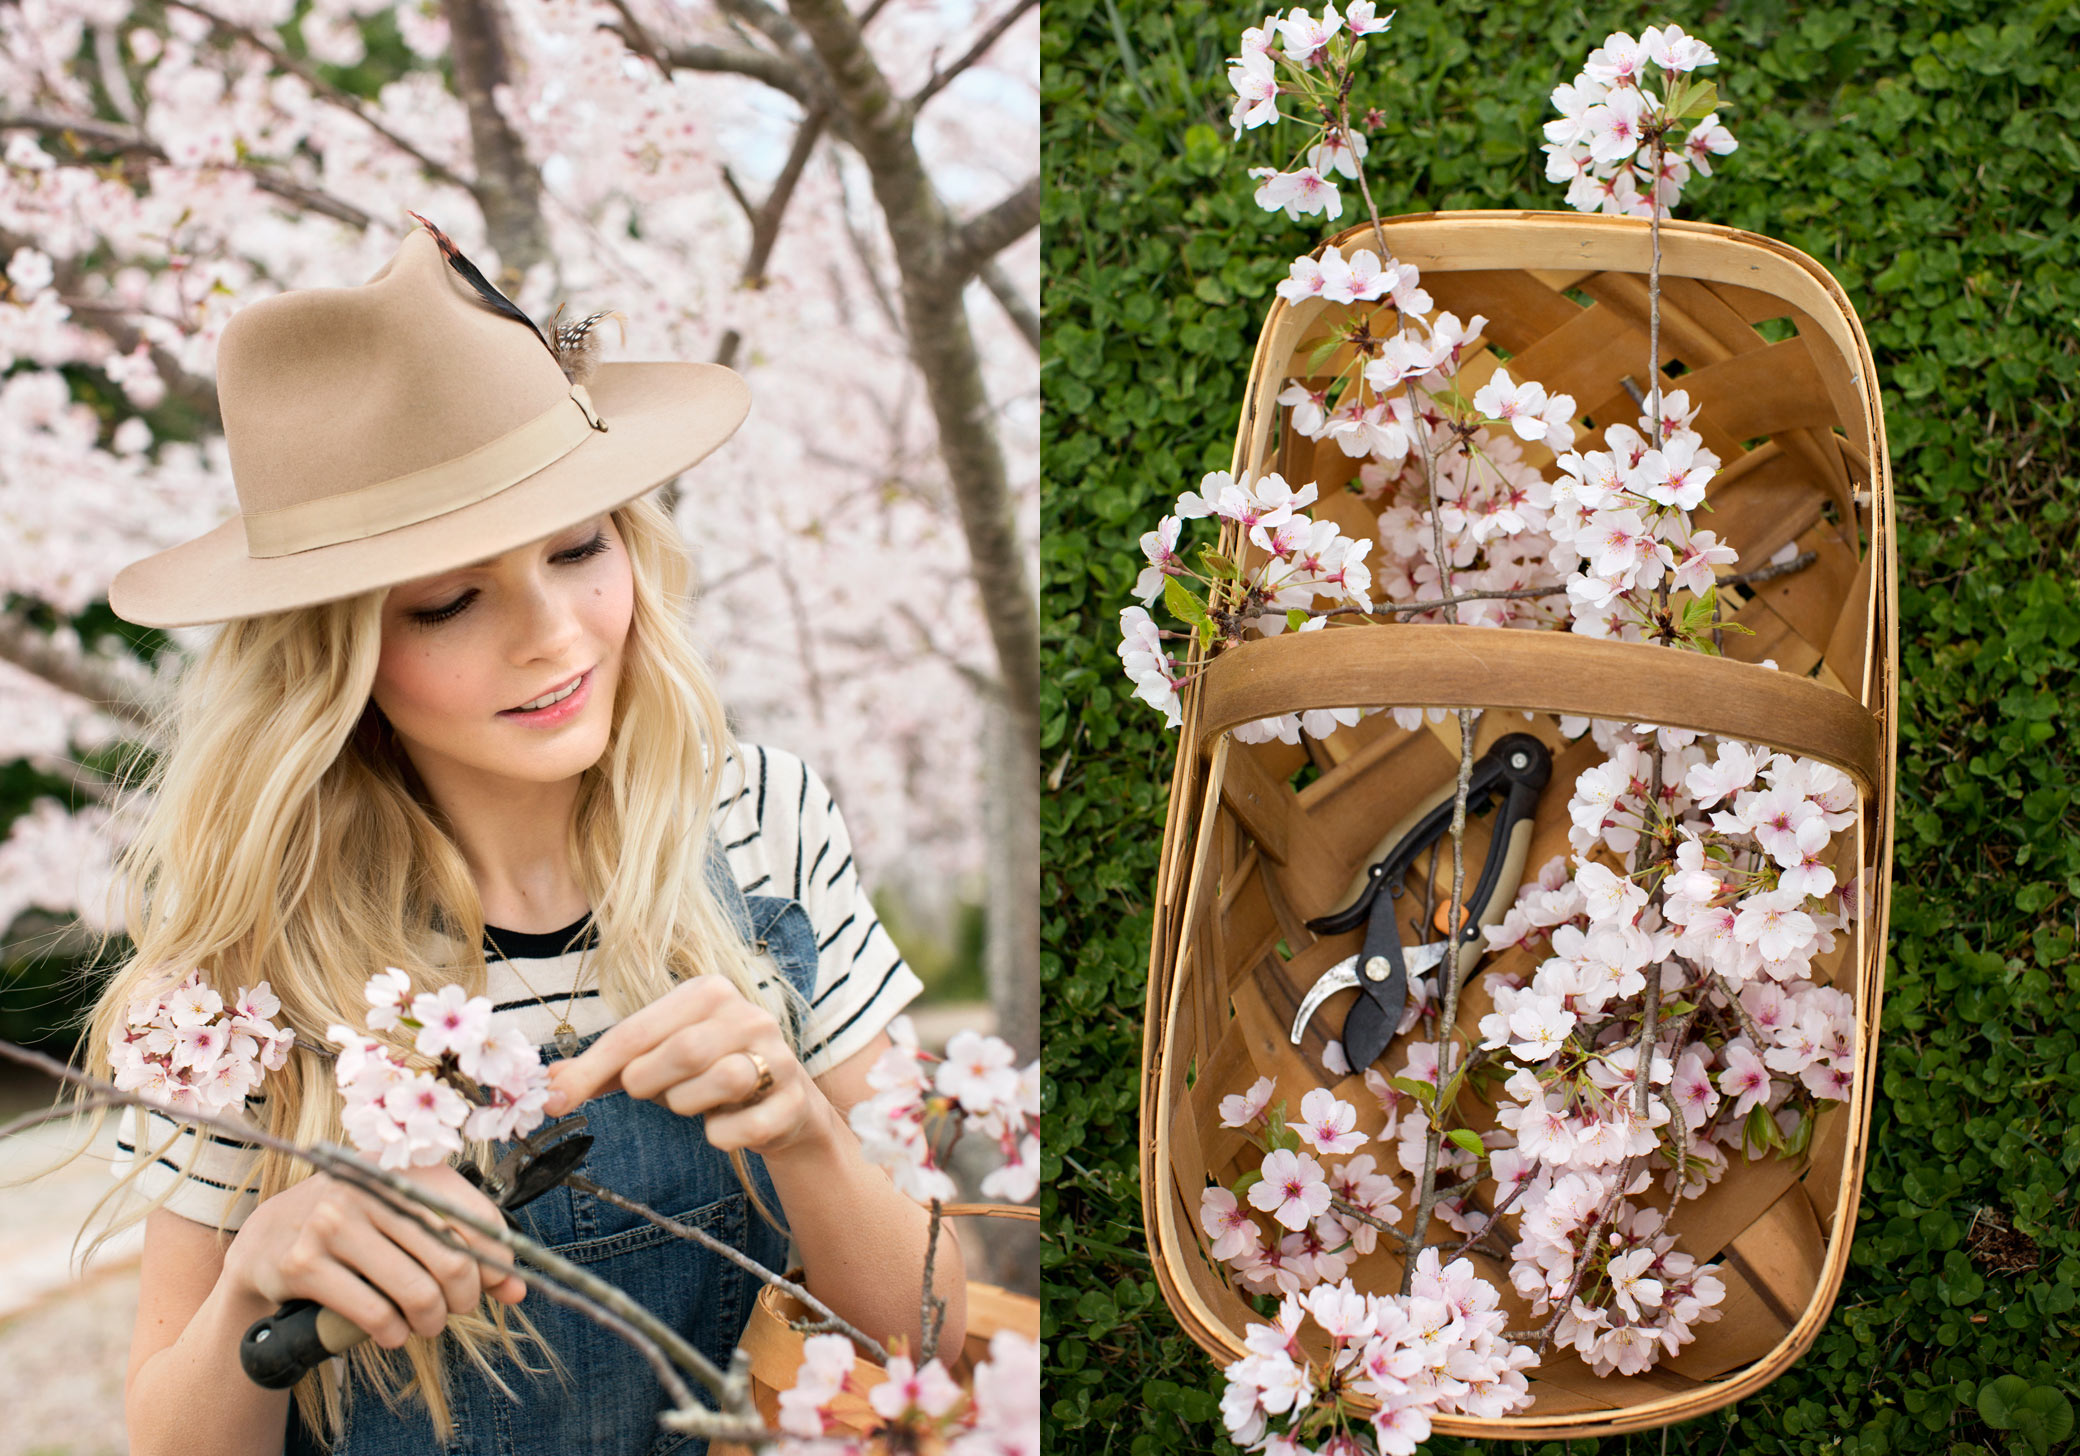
(1925, 153)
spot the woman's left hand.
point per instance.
(693, 1050)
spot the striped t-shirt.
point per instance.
(783, 835)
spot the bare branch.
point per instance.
(1014, 304)
(974, 53)
(988, 233)
(943, 346)
(776, 71)
(765, 218)
(830, 1323)
(509, 185)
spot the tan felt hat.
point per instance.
(408, 427)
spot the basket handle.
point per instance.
(1024, 1211)
(1448, 666)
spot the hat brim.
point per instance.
(662, 418)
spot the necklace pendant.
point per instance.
(566, 1039)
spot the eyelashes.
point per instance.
(434, 616)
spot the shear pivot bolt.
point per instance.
(1376, 968)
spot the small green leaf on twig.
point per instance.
(1425, 1093)
(1469, 1140)
(1187, 608)
(1296, 619)
(1218, 566)
(1246, 1182)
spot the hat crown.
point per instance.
(328, 390)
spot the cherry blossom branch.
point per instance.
(1770, 573)
(346, 102)
(1448, 977)
(989, 37)
(1351, 1210)
(579, 1289)
(1494, 1222)
(829, 1322)
(98, 681)
(126, 140)
(1604, 1211)
(932, 1309)
(1388, 609)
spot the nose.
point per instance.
(546, 625)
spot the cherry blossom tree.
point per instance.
(839, 204)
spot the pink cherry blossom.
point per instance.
(1292, 1189)
(1328, 1125)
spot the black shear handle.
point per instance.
(1525, 771)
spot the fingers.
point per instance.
(599, 1068)
(707, 1065)
(460, 1277)
(765, 1125)
(368, 1278)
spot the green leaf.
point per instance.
(1187, 608)
(2054, 1411)
(1425, 1093)
(1217, 565)
(1296, 619)
(1471, 1141)
(1999, 1399)
(1241, 1186)
(1276, 1133)
(1701, 100)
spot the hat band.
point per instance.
(408, 499)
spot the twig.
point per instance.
(1351, 1210)
(830, 1321)
(592, 1292)
(969, 57)
(1387, 609)
(1769, 573)
(1494, 1219)
(1604, 1211)
(1733, 999)
(932, 1309)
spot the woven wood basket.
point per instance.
(775, 1346)
(1792, 409)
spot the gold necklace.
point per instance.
(566, 1035)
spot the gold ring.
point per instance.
(765, 1075)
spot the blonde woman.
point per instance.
(452, 725)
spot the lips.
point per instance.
(569, 682)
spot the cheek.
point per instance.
(421, 688)
(609, 606)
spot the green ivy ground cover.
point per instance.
(1925, 153)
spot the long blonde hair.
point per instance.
(287, 839)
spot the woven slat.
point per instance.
(1247, 858)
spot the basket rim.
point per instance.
(1200, 759)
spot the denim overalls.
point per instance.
(659, 1158)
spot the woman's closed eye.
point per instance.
(433, 616)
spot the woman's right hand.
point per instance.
(329, 1241)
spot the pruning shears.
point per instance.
(1516, 769)
(303, 1334)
